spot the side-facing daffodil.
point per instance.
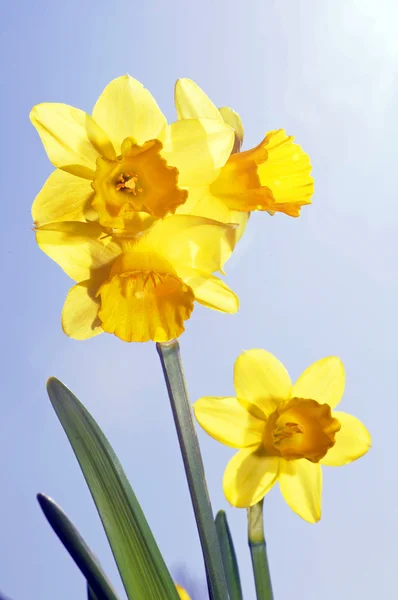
(141, 287)
(182, 593)
(274, 176)
(285, 432)
(124, 166)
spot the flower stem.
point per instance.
(258, 551)
(170, 358)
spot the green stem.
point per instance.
(170, 358)
(258, 551)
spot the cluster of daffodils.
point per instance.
(142, 215)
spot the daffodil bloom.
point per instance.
(141, 287)
(274, 176)
(182, 593)
(124, 166)
(285, 432)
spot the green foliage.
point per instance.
(138, 558)
(230, 563)
(101, 588)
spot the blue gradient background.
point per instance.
(323, 284)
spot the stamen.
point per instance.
(152, 276)
(286, 431)
(128, 182)
(155, 278)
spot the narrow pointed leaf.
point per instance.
(87, 562)
(91, 594)
(138, 558)
(230, 563)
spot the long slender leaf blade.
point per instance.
(140, 564)
(91, 594)
(230, 563)
(84, 558)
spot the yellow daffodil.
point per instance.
(285, 432)
(141, 287)
(124, 166)
(274, 176)
(182, 593)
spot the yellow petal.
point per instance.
(241, 219)
(228, 422)
(232, 119)
(64, 197)
(72, 139)
(192, 103)
(261, 382)
(80, 313)
(286, 172)
(198, 148)
(202, 203)
(249, 475)
(189, 241)
(182, 593)
(210, 290)
(76, 247)
(141, 306)
(301, 486)
(352, 441)
(323, 381)
(127, 109)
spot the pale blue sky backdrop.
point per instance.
(322, 284)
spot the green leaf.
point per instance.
(139, 561)
(91, 594)
(230, 563)
(76, 546)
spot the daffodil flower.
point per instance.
(285, 432)
(124, 166)
(274, 176)
(141, 287)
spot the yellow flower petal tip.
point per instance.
(324, 381)
(182, 593)
(192, 103)
(284, 432)
(233, 120)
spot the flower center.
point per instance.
(129, 183)
(301, 428)
(285, 432)
(136, 188)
